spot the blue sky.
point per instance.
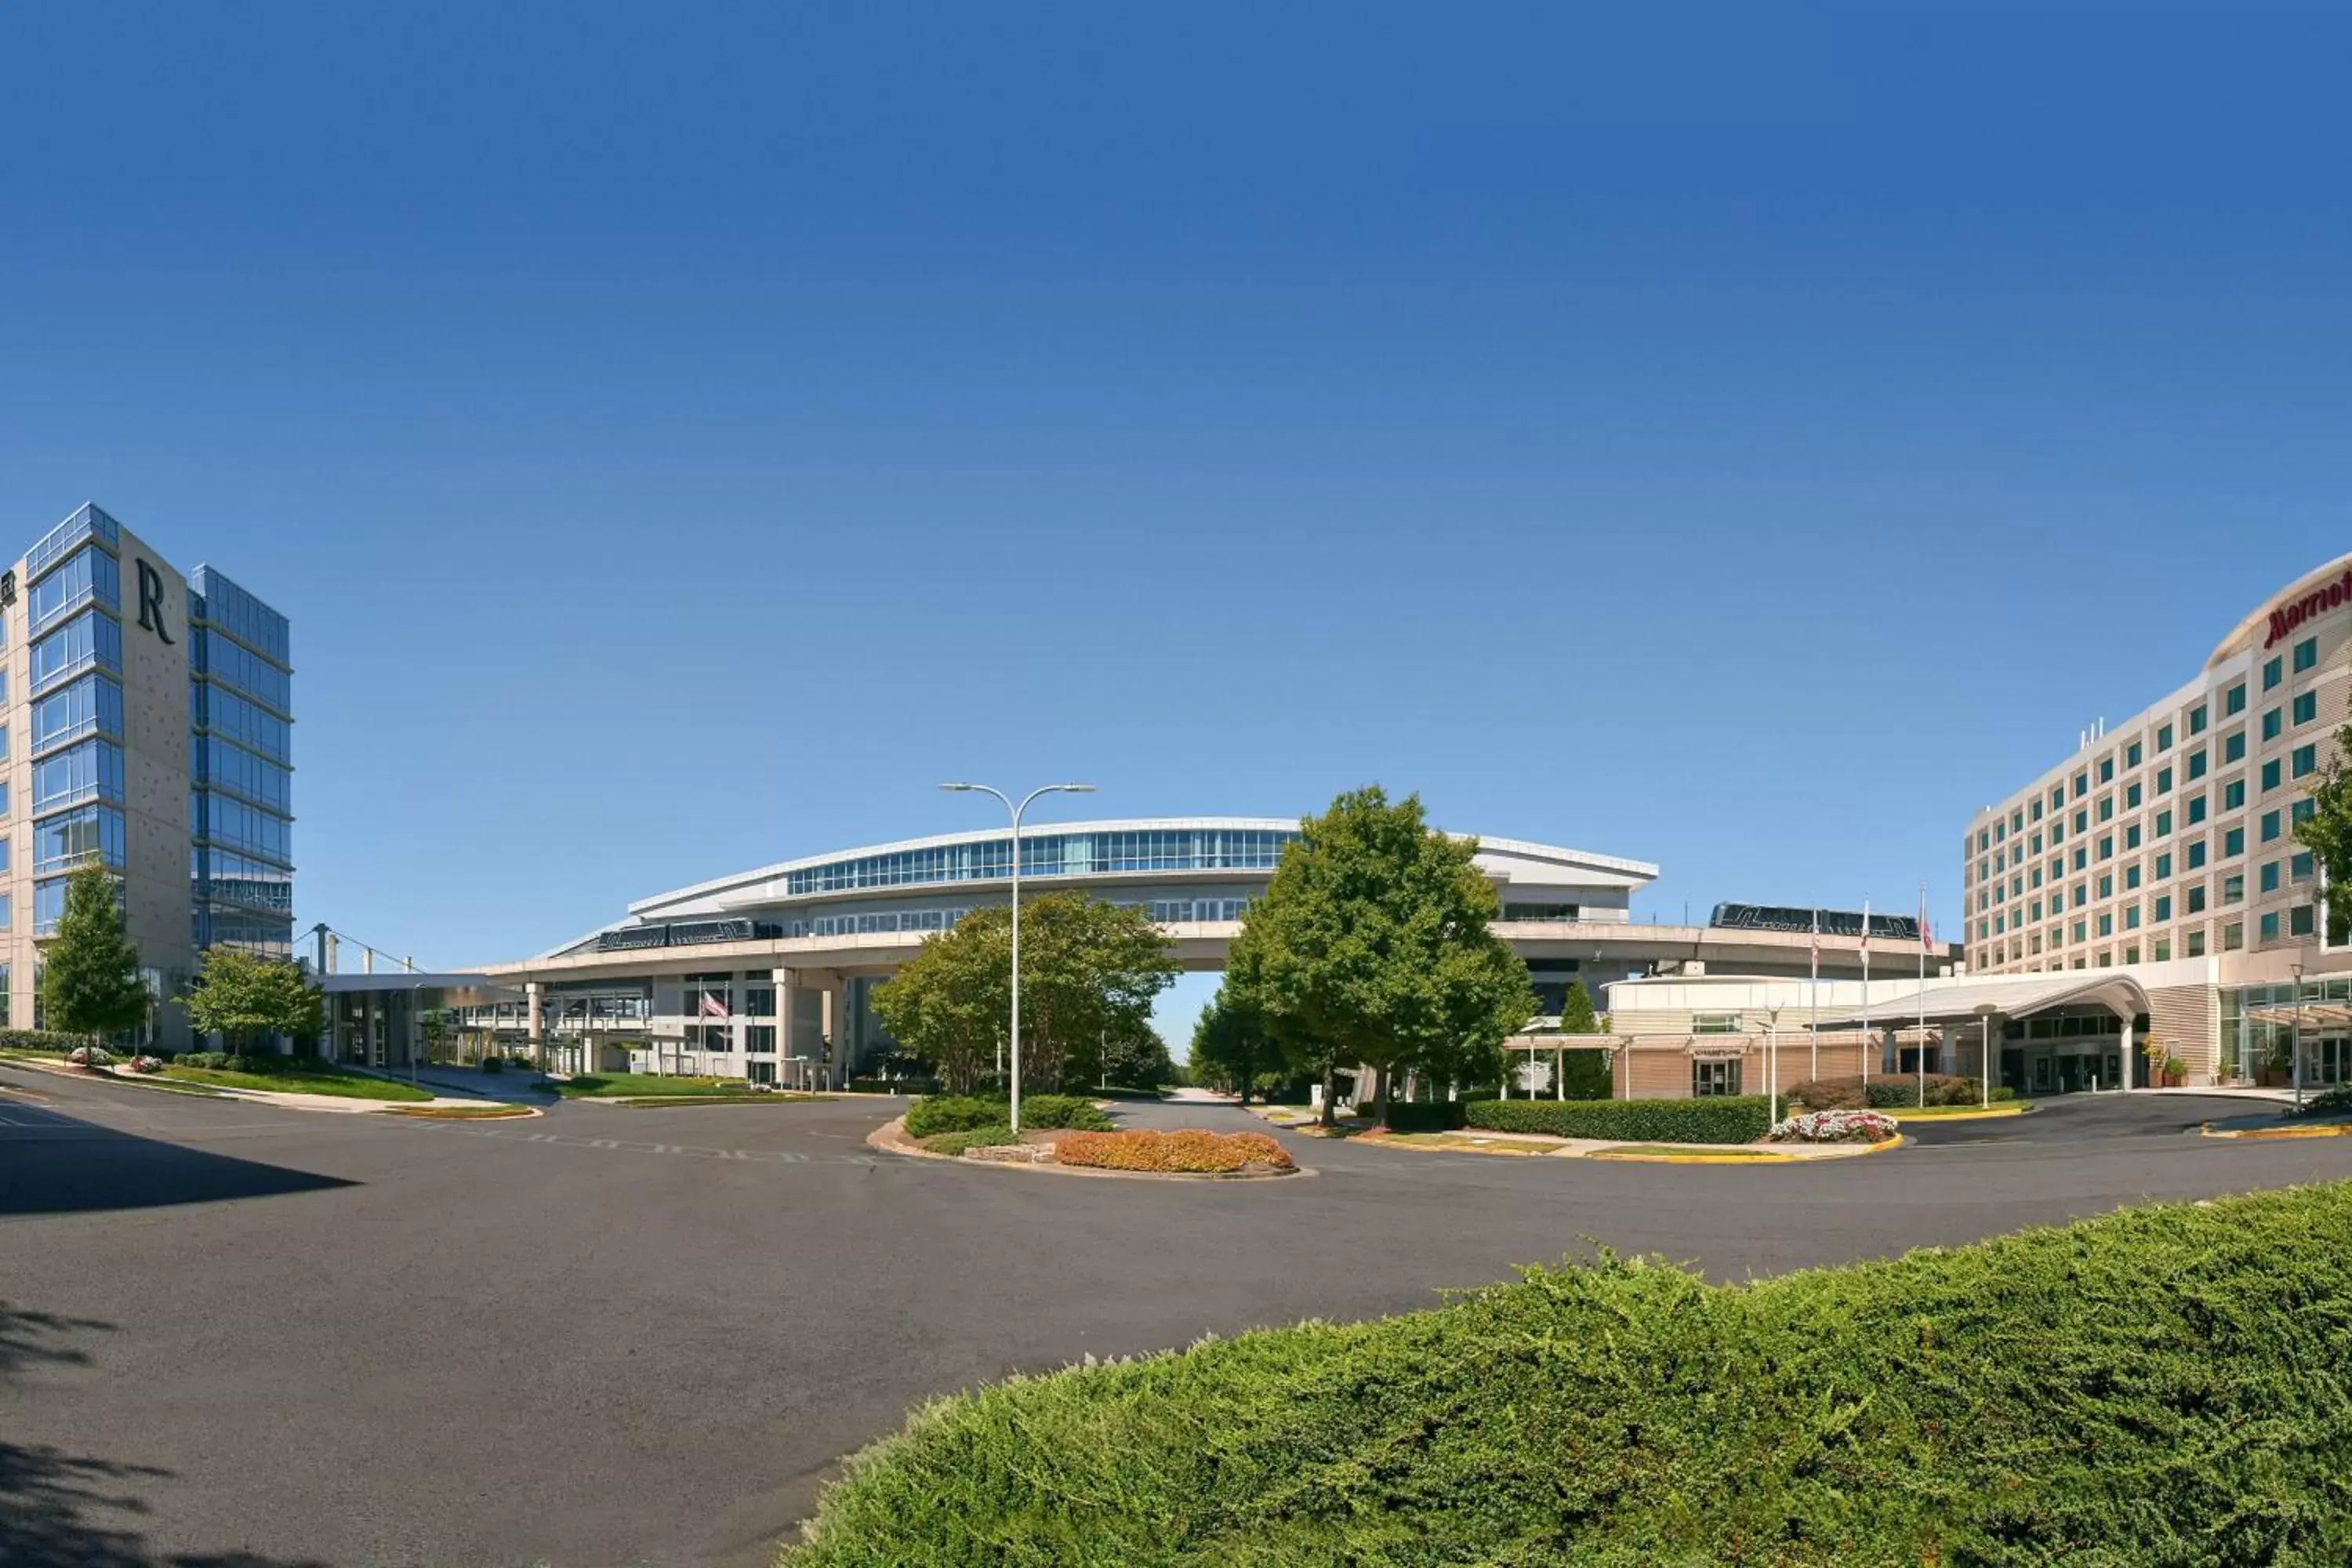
(1743, 438)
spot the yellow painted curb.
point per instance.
(2260, 1134)
(1635, 1157)
(427, 1113)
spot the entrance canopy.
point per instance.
(1963, 1001)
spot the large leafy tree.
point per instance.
(1089, 972)
(1230, 1049)
(2327, 834)
(239, 995)
(1373, 944)
(1135, 1056)
(90, 982)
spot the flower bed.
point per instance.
(1901, 1091)
(146, 1064)
(1835, 1127)
(1190, 1151)
(90, 1056)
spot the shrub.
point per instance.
(1070, 1110)
(1835, 1127)
(40, 1042)
(494, 1064)
(90, 1056)
(970, 1138)
(954, 1113)
(146, 1064)
(1442, 1117)
(1141, 1149)
(2160, 1385)
(2328, 1102)
(894, 1086)
(1831, 1094)
(1741, 1118)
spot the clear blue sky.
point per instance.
(1744, 437)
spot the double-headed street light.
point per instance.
(1016, 811)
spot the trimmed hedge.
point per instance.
(2163, 1386)
(955, 1113)
(1444, 1116)
(970, 1138)
(41, 1042)
(1898, 1092)
(1731, 1119)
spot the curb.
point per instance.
(505, 1112)
(2269, 1134)
(891, 1139)
(1624, 1154)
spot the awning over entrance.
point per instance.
(2310, 1015)
(1964, 1001)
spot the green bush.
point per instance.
(1728, 1120)
(494, 1064)
(955, 1113)
(1074, 1111)
(2162, 1385)
(894, 1086)
(1442, 1117)
(40, 1042)
(970, 1138)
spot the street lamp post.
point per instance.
(1984, 1011)
(2295, 1034)
(1773, 1060)
(1016, 811)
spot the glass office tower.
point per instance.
(240, 779)
(146, 730)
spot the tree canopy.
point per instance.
(90, 982)
(1089, 972)
(1372, 945)
(1230, 1049)
(1576, 1014)
(2327, 833)
(239, 995)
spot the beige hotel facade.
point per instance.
(2164, 845)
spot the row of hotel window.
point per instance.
(94, 576)
(2275, 771)
(1163, 911)
(93, 706)
(2194, 943)
(1053, 855)
(2230, 843)
(2303, 707)
(94, 642)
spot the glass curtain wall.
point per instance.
(240, 799)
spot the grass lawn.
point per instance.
(295, 1075)
(646, 1085)
(2158, 1385)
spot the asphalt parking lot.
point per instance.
(236, 1335)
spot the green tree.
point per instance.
(1230, 1049)
(1135, 1056)
(90, 982)
(1089, 972)
(1372, 945)
(2327, 833)
(1576, 1014)
(239, 995)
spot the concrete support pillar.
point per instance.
(534, 1022)
(368, 1034)
(832, 1029)
(782, 980)
(2130, 1067)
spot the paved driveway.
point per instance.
(610, 1337)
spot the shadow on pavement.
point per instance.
(54, 1163)
(49, 1501)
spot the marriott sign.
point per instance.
(2286, 617)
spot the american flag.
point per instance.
(710, 1007)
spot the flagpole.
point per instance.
(1923, 996)
(1865, 1001)
(1814, 1023)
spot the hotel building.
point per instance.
(769, 974)
(148, 728)
(2164, 844)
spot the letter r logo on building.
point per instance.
(151, 600)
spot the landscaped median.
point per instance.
(649, 1092)
(1071, 1132)
(2161, 1385)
